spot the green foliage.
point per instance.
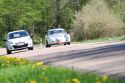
(36, 16)
(31, 15)
(85, 19)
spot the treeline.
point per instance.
(36, 16)
(84, 19)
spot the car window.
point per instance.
(56, 32)
(18, 34)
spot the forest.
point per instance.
(83, 19)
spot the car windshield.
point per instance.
(18, 34)
(56, 32)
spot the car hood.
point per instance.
(20, 40)
(57, 35)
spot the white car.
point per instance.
(56, 37)
(18, 40)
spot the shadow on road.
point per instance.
(75, 56)
(100, 52)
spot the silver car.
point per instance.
(56, 37)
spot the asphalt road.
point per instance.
(103, 58)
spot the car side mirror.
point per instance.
(67, 32)
(5, 40)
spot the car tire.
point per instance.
(47, 45)
(68, 43)
(64, 43)
(9, 52)
(30, 48)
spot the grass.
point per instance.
(14, 70)
(108, 39)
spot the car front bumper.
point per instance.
(19, 47)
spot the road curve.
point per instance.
(105, 58)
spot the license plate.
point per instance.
(60, 42)
(19, 44)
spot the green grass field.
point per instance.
(108, 39)
(14, 70)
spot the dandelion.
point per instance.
(18, 59)
(21, 62)
(45, 78)
(75, 80)
(39, 63)
(98, 81)
(104, 77)
(67, 81)
(7, 61)
(33, 81)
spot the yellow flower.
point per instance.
(104, 77)
(33, 81)
(21, 62)
(17, 59)
(6, 60)
(98, 81)
(67, 81)
(39, 63)
(75, 80)
(45, 78)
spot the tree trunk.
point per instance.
(8, 23)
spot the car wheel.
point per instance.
(8, 51)
(68, 43)
(64, 43)
(30, 48)
(47, 45)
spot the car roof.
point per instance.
(16, 31)
(56, 29)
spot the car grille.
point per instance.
(21, 46)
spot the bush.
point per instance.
(96, 21)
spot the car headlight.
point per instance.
(29, 39)
(51, 38)
(10, 42)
